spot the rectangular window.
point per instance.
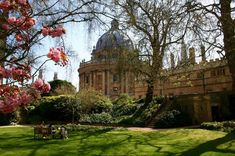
(115, 78)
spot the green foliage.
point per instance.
(124, 105)
(102, 118)
(173, 118)
(225, 126)
(144, 114)
(85, 128)
(91, 140)
(149, 111)
(94, 102)
(130, 121)
(124, 99)
(61, 87)
(56, 108)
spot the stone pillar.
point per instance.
(184, 56)
(203, 53)
(108, 81)
(172, 57)
(122, 83)
(127, 84)
(55, 76)
(103, 82)
(192, 55)
(90, 79)
(94, 80)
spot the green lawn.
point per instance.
(18, 141)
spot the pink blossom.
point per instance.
(6, 26)
(20, 20)
(54, 54)
(25, 98)
(22, 2)
(22, 37)
(19, 37)
(28, 24)
(11, 20)
(57, 32)
(45, 31)
(46, 88)
(38, 84)
(5, 5)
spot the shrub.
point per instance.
(86, 128)
(124, 110)
(172, 118)
(124, 99)
(97, 118)
(55, 108)
(61, 87)
(123, 105)
(144, 114)
(130, 121)
(225, 126)
(103, 118)
(94, 102)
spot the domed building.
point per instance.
(107, 70)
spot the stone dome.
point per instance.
(113, 38)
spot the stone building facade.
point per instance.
(102, 72)
(202, 78)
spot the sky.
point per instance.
(76, 39)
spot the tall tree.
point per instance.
(156, 25)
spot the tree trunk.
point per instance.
(228, 26)
(149, 93)
(148, 98)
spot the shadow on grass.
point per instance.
(212, 146)
(105, 141)
(14, 142)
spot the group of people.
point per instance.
(62, 131)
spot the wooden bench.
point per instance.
(42, 132)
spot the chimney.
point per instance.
(184, 56)
(172, 57)
(192, 55)
(203, 53)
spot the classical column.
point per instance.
(94, 79)
(122, 83)
(108, 89)
(126, 83)
(103, 82)
(90, 79)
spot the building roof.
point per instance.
(112, 39)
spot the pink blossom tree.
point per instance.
(23, 25)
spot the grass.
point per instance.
(18, 141)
